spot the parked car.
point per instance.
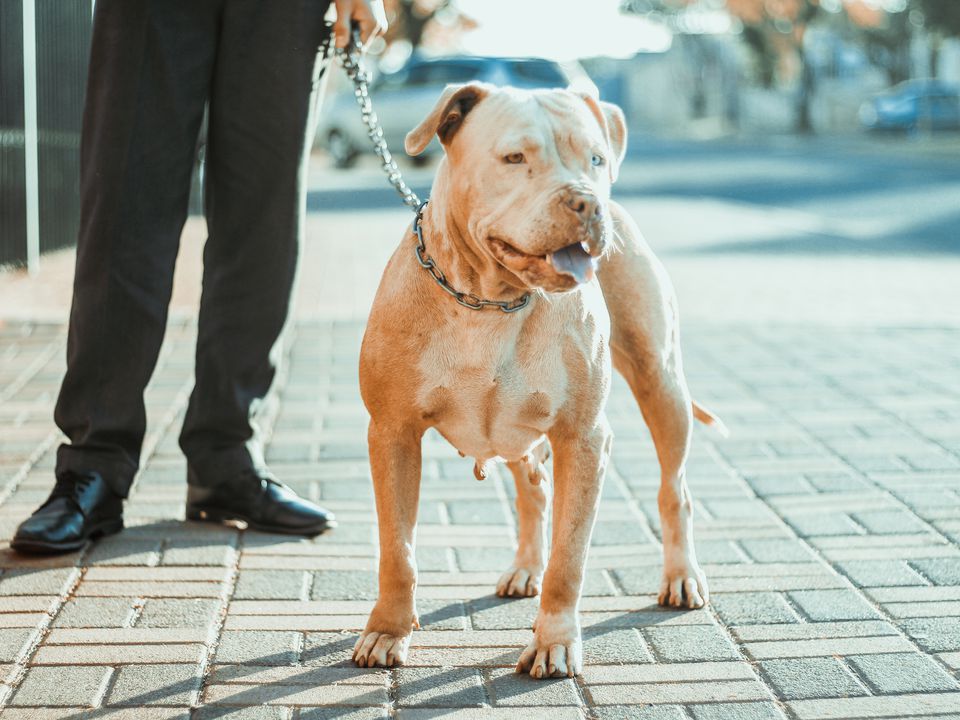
(402, 99)
(913, 105)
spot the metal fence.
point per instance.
(44, 48)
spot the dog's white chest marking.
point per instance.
(490, 396)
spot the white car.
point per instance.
(403, 98)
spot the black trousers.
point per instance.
(154, 66)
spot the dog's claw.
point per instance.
(556, 661)
(525, 663)
(684, 589)
(555, 651)
(380, 649)
(519, 582)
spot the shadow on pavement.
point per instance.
(940, 237)
(334, 655)
(132, 541)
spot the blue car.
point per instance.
(913, 105)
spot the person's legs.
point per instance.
(151, 64)
(150, 71)
(260, 106)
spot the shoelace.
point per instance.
(260, 477)
(70, 485)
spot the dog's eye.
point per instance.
(597, 160)
(513, 158)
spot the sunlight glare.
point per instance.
(539, 28)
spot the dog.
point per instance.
(520, 214)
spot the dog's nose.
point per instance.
(583, 204)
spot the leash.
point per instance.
(350, 59)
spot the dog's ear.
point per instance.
(617, 134)
(611, 119)
(447, 115)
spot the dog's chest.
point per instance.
(491, 396)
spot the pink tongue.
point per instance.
(574, 260)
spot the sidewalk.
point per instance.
(828, 523)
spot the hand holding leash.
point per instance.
(358, 22)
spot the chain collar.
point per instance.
(466, 299)
(349, 59)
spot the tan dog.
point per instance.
(521, 204)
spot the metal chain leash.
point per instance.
(350, 60)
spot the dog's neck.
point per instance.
(461, 257)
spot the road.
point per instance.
(809, 230)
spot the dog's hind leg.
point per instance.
(665, 403)
(645, 346)
(395, 462)
(524, 577)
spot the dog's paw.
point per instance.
(684, 586)
(556, 649)
(520, 582)
(377, 649)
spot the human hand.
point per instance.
(369, 16)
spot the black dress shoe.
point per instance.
(81, 507)
(259, 500)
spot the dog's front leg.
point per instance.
(395, 459)
(579, 466)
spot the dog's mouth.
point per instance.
(573, 261)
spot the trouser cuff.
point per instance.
(222, 465)
(117, 472)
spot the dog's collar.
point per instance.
(468, 300)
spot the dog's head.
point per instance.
(531, 173)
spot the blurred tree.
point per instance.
(942, 19)
(703, 56)
(774, 31)
(941, 15)
(409, 19)
(885, 37)
(424, 22)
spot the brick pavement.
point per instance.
(828, 525)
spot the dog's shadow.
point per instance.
(328, 662)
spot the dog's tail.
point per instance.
(708, 418)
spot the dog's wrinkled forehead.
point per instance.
(551, 121)
(565, 128)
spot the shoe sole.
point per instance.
(36, 547)
(218, 516)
